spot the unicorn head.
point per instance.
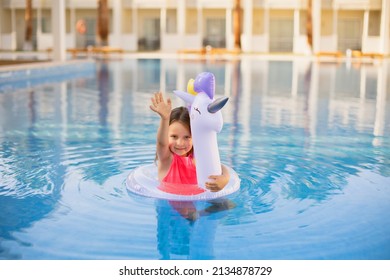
(206, 121)
(204, 110)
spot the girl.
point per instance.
(176, 165)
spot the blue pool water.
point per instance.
(310, 142)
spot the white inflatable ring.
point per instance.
(144, 181)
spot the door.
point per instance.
(151, 38)
(349, 34)
(89, 37)
(215, 33)
(281, 35)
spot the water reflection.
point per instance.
(103, 79)
(186, 230)
(32, 174)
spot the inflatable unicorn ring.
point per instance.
(206, 122)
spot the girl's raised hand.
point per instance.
(160, 106)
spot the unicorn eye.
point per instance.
(197, 109)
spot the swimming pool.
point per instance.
(310, 142)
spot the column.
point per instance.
(200, 24)
(384, 32)
(58, 30)
(248, 26)
(335, 26)
(116, 23)
(73, 24)
(13, 28)
(365, 29)
(39, 24)
(163, 27)
(163, 20)
(266, 28)
(1, 31)
(228, 28)
(296, 31)
(135, 23)
(181, 23)
(316, 19)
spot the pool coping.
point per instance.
(26, 75)
(40, 64)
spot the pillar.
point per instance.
(296, 31)
(228, 29)
(384, 32)
(116, 23)
(73, 30)
(248, 26)
(135, 23)
(1, 32)
(163, 27)
(316, 18)
(365, 29)
(181, 22)
(335, 27)
(58, 30)
(39, 24)
(200, 23)
(266, 28)
(13, 28)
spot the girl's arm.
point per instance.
(163, 108)
(218, 182)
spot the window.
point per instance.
(171, 21)
(46, 24)
(374, 22)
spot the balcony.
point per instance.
(357, 4)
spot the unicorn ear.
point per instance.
(205, 82)
(217, 105)
(188, 98)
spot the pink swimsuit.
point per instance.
(181, 177)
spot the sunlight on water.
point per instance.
(310, 142)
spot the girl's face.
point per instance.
(180, 140)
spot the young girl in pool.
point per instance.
(176, 164)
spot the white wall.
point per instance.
(129, 42)
(328, 43)
(8, 41)
(371, 45)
